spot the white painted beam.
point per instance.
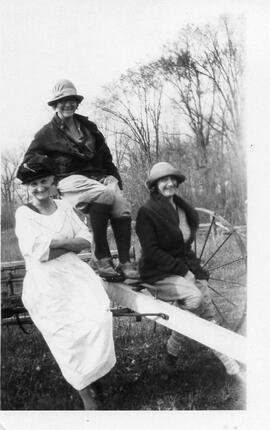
(182, 321)
(186, 323)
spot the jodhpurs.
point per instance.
(81, 191)
(187, 293)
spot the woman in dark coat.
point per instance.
(166, 226)
(87, 176)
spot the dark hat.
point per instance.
(162, 169)
(39, 166)
(62, 90)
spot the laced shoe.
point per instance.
(129, 270)
(106, 269)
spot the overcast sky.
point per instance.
(87, 41)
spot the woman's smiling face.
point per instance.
(66, 107)
(41, 188)
(167, 186)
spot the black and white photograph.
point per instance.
(134, 182)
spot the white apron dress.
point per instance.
(64, 297)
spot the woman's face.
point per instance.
(41, 188)
(66, 107)
(167, 186)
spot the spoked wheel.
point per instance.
(222, 250)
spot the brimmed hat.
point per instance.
(64, 89)
(39, 166)
(162, 169)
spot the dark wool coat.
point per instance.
(72, 157)
(164, 251)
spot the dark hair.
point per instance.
(154, 187)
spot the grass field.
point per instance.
(31, 379)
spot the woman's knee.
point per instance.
(106, 197)
(194, 300)
(121, 206)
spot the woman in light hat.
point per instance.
(88, 178)
(166, 226)
(64, 297)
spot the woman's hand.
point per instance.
(56, 243)
(109, 180)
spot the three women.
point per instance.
(66, 299)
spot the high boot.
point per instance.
(122, 232)
(99, 215)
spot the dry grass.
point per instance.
(31, 379)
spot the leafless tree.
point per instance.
(11, 191)
(135, 104)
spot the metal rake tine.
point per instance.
(220, 314)
(221, 295)
(226, 264)
(216, 251)
(227, 281)
(207, 236)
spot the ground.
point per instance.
(31, 379)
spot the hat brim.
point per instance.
(57, 99)
(28, 177)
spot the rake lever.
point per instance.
(126, 312)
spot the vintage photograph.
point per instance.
(124, 209)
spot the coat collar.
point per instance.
(163, 207)
(61, 123)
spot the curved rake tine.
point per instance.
(221, 295)
(216, 251)
(195, 244)
(220, 314)
(226, 264)
(227, 281)
(207, 236)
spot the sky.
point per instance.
(90, 42)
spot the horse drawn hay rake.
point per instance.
(221, 248)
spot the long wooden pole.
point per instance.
(184, 322)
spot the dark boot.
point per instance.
(99, 215)
(170, 363)
(122, 233)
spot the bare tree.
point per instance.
(135, 103)
(10, 189)
(222, 64)
(204, 70)
(193, 97)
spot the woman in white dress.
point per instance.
(64, 297)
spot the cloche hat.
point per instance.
(162, 169)
(39, 166)
(63, 89)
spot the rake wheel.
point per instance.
(222, 250)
